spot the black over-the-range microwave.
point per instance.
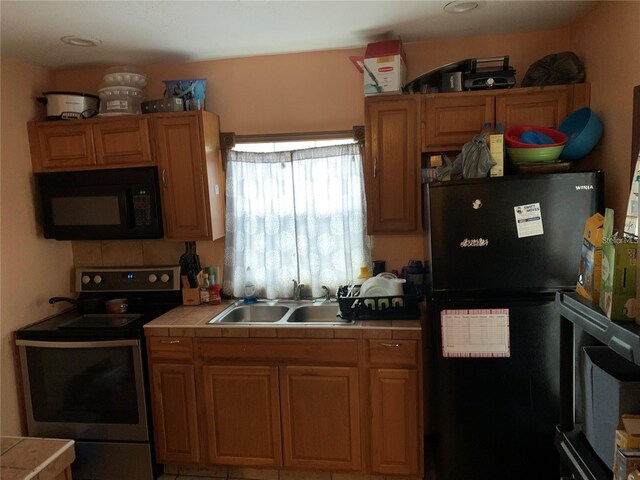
(121, 203)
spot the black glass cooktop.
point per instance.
(101, 320)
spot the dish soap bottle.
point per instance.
(249, 288)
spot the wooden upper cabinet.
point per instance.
(242, 415)
(451, 120)
(320, 417)
(192, 180)
(61, 146)
(123, 142)
(546, 108)
(89, 144)
(392, 164)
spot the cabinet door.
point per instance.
(546, 108)
(392, 165)
(451, 121)
(174, 413)
(179, 146)
(320, 417)
(123, 142)
(64, 145)
(242, 412)
(395, 443)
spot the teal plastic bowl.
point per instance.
(584, 129)
(521, 156)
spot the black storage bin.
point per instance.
(611, 388)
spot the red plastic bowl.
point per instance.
(513, 134)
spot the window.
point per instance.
(295, 215)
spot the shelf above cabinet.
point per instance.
(621, 337)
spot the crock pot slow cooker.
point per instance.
(65, 105)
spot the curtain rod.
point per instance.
(229, 139)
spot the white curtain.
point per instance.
(296, 215)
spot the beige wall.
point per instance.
(32, 268)
(607, 39)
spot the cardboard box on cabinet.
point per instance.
(385, 68)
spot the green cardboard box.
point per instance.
(619, 272)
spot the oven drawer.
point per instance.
(170, 348)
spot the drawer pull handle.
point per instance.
(166, 342)
(164, 179)
(375, 167)
(391, 345)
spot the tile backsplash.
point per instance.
(130, 253)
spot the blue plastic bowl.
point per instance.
(584, 129)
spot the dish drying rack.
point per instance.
(352, 305)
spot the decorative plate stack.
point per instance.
(121, 92)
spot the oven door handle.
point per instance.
(93, 344)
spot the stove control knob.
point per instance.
(153, 278)
(164, 278)
(97, 279)
(86, 279)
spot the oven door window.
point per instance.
(83, 385)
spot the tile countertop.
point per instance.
(187, 321)
(29, 458)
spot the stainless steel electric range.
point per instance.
(84, 371)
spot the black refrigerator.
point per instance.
(497, 249)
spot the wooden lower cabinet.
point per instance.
(242, 415)
(395, 442)
(320, 417)
(175, 421)
(338, 405)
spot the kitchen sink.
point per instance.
(281, 312)
(316, 314)
(252, 314)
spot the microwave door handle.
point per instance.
(129, 213)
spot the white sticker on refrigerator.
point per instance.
(475, 333)
(528, 220)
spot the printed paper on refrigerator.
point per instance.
(475, 333)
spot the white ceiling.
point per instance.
(143, 32)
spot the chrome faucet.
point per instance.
(297, 290)
(327, 294)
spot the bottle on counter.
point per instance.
(249, 288)
(214, 291)
(204, 289)
(363, 275)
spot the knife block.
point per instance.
(191, 296)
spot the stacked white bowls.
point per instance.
(121, 92)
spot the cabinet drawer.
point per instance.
(393, 352)
(278, 351)
(170, 348)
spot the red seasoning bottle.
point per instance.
(214, 292)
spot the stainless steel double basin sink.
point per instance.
(281, 312)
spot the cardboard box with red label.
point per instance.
(385, 67)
